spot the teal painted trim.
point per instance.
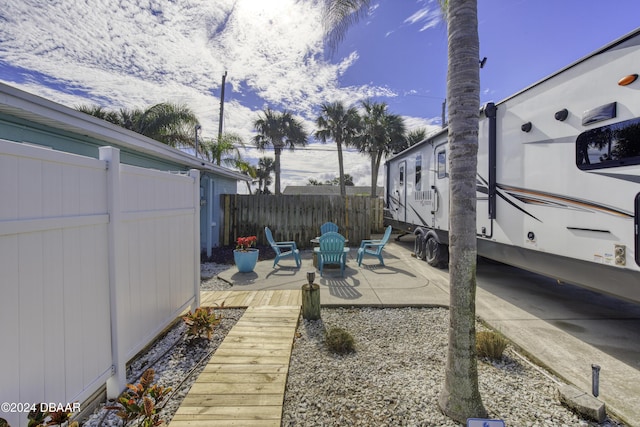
(19, 130)
(137, 159)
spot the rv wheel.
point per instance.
(437, 254)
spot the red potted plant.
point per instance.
(245, 254)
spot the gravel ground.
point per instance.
(396, 374)
(392, 379)
(210, 282)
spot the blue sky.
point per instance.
(150, 51)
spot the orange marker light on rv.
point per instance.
(627, 80)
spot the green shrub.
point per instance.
(339, 341)
(490, 344)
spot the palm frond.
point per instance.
(339, 15)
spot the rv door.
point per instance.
(401, 191)
(440, 189)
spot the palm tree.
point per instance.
(416, 135)
(460, 397)
(223, 150)
(246, 168)
(382, 133)
(265, 167)
(280, 130)
(171, 124)
(100, 112)
(342, 125)
(339, 15)
(348, 181)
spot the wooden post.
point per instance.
(311, 298)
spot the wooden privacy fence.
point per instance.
(299, 217)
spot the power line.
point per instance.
(426, 96)
(330, 149)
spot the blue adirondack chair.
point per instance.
(374, 247)
(282, 249)
(332, 251)
(328, 226)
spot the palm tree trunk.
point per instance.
(343, 190)
(374, 175)
(460, 397)
(375, 168)
(276, 169)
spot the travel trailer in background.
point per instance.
(558, 183)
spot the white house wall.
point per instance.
(211, 216)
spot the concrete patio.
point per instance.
(394, 284)
(407, 281)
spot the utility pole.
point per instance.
(224, 77)
(198, 127)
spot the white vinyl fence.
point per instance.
(96, 259)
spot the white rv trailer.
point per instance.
(558, 183)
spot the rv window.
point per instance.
(401, 178)
(442, 165)
(609, 146)
(418, 172)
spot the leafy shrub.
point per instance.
(51, 418)
(202, 322)
(141, 401)
(490, 344)
(42, 418)
(339, 341)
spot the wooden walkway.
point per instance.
(244, 382)
(231, 299)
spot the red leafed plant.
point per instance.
(244, 243)
(142, 402)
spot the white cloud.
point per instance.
(431, 125)
(140, 52)
(150, 51)
(302, 164)
(428, 17)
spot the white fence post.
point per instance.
(195, 174)
(118, 380)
